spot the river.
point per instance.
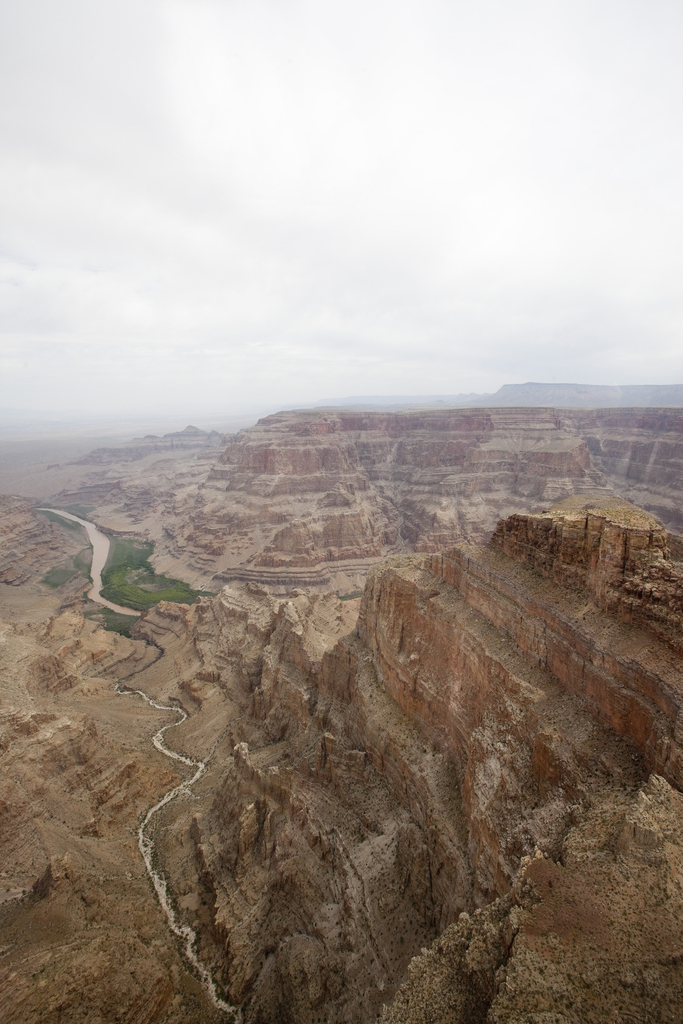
(184, 932)
(100, 553)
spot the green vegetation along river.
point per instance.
(123, 578)
(128, 577)
(100, 552)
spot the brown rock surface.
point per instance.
(496, 733)
(31, 545)
(371, 787)
(640, 451)
(308, 863)
(617, 552)
(313, 498)
(81, 935)
(594, 936)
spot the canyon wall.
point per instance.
(26, 542)
(313, 498)
(412, 801)
(640, 453)
(43, 565)
(82, 937)
(478, 745)
(446, 798)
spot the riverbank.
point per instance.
(100, 552)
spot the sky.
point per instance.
(226, 204)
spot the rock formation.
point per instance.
(640, 453)
(26, 541)
(591, 937)
(454, 799)
(313, 498)
(81, 935)
(30, 546)
(491, 757)
(189, 439)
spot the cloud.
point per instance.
(227, 203)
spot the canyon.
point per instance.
(313, 498)
(437, 689)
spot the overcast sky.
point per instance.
(218, 204)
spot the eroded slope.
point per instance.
(81, 935)
(372, 789)
(313, 498)
(494, 733)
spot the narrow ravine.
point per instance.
(185, 933)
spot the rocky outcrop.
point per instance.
(332, 493)
(318, 874)
(639, 451)
(576, 939)
(524, 745)
(377, 783)
(81, 935)
(480, 760)
(484, 710)
(28, 542)
(619, 554)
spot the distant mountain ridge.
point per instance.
(151, 444)
(567, 396)
(584, 396)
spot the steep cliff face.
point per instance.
(476, 745)
(591, 937)
(483, 754)
(485, 677)
(317, 498)
(312, 499)
(333, 493)
(619, 554)
(314, 851)
(640, 451)
(516, 662)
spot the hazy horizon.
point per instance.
(221, 205)
(114, 427)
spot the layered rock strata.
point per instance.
(478, 741)
(82, 938)
(480, 760)
(28, 542)
(620, 555)
(639, 451)
(334, 493)
(313, 498)
(307, 846)
(30, 546)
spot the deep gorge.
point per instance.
(455, 798)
